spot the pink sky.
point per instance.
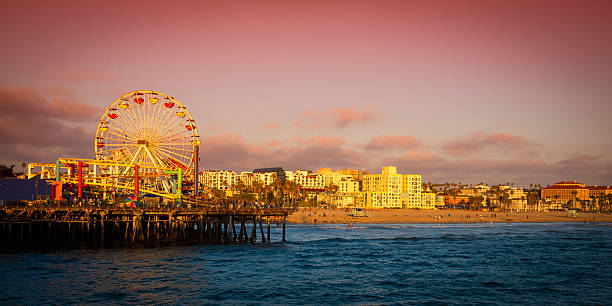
(467, 91)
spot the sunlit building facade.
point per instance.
(411, 191)
(219, 179)
(392, 190)
(565, 191)
(308, 180)
(428, 200)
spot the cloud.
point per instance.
(85, 75)
(22, 102)
(272, 126)
(337, 117)
(480, 140)
(590, 169)
(274, 143)
(387, 142)
(346, 116)
(309, 126)
(319, 141)
(231, 151)
(43, 127)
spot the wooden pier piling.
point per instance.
(25, 228)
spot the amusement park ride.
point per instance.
(146, 143)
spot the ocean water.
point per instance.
(334, 264)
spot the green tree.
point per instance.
(475, 202)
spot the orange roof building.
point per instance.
(565, 191)
(599, 191)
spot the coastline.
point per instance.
(410, 216)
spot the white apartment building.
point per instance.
(308, 180)
(248, 178)
(220, 179)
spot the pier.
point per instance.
(61, 227)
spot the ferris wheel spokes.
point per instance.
(151, 129)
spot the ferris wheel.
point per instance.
(150, 129)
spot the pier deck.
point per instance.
(60, 227)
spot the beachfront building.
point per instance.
(248, 178)
(382, 200)
(599, 191)
(289, 175)
(309, 181)
(355, 174)
(269, 175)
(439, 201)
(346, 199)
(391, 190)
(411, 191)
(428, 200)
(456, 201)
(348, 186)
(219, 179)
(478, 190)
(598, 195)
(564, 191)
(346, 183)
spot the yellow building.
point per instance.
(352, 172)
(392, 190)
(411, 191)
(382, 200)
(428, 200)
(388, 181)
(348, 186)
(345, 182)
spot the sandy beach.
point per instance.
(319, 215)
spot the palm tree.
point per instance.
(574, 197)
(258, 187)
(293, 191)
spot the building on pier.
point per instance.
(13, 189)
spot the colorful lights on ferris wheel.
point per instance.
(153, 100)
(190, 124)
(99, 142)
(196, 140)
